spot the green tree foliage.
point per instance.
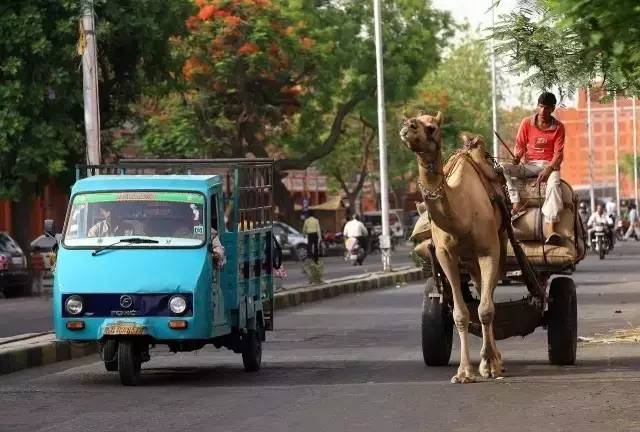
(413, 34)
(460, 87)
(41, 115)
(569, 43)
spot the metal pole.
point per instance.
(592, 194)
(90, 84)
(635, 151)
(385, 240)
(494, 104)
(616, 142)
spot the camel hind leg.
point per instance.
(449, 263)
(491, 363)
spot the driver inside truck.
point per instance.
(110, 223)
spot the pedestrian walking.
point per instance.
(311, 229)
(632, 217)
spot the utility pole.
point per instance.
(592, 193)
(494, 104)
(635, 150)
(385, 239)
(90, 82)
(616, 142)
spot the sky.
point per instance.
(477, 13)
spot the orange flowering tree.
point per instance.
(248, 63)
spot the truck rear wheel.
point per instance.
(110, 355)
(252, 351)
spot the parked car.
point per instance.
(14, 273)
(293, 243)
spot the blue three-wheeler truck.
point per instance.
(173, 252)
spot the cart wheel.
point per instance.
(128, 362)
(562, 322)
(437, 328)
(110, 355)
(252, 351)
(601, 248)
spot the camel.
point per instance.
(465, 225)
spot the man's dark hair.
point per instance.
(632, 206)
(547, 99)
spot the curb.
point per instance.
(44, 349)
(41, 351)
(297, 296)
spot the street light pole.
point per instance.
(635, 151)
(90, 83)
(385, 240)
(592, 193)
(493, 88)
(616, 143)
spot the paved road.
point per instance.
(33, 315)
(353, 363)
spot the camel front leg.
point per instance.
(491, 363)
(449, 263)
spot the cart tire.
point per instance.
(601, 247)
(437, 328)
(110, 355)
(562, 322)
(128, 363)
(252, 351)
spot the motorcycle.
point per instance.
(600, 240)
(355, 252)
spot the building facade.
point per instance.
(575, 168)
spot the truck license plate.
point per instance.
(125, 329)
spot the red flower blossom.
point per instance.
(232, 20)
(249, 48)
(192, 22)
(207, 12)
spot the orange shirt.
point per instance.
(540, 145)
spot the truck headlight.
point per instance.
(177, 304)
(74, 305)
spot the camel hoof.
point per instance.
(491, 368)
(464, 377)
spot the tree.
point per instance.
(569, 43)
(349, 164)
(284, 75)
(41, 115)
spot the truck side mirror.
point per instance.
(50, 228)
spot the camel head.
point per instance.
(423, 133)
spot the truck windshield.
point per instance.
(172, 219)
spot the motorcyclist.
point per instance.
(600, 218)
(583, 211)
(355, 229)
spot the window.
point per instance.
(171, 218)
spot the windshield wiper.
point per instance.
(131, 240)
